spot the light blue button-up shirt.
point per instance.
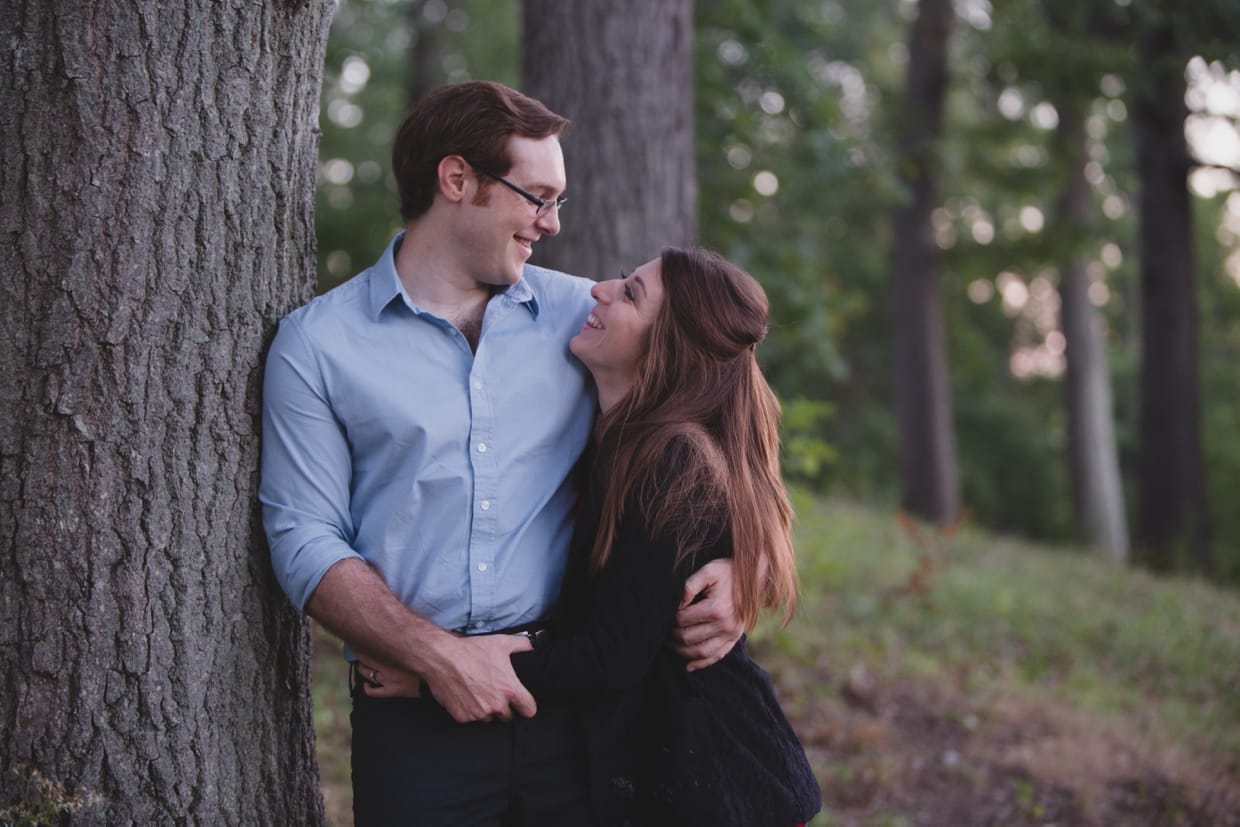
(386, 438)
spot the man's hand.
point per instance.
(473, 679)
(707, 630)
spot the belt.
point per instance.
(536, 631)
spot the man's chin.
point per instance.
(506, 279)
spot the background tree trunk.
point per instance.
(1171, 468)
(157, 167)
(930, 486)
(426, 53)
(1098, 497)
(623, 72)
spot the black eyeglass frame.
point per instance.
(544, 206)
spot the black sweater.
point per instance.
(666, 746)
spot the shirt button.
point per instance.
(486, 505)
(477, 385)
(482, 447)
(482, 567)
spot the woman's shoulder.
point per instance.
(681, 497)
(685, 473)
(687, 454)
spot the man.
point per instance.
(420, 423)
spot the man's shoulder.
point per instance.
(552, 285)
(563, 283)
(337, 305)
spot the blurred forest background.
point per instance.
(1001, 239)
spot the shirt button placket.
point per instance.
(482, 543)
(482, 548)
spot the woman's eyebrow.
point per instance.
(641, 284)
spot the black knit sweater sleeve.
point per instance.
(630, 611)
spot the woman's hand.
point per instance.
(382, 681)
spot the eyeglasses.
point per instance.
(544, 206)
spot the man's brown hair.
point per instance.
(474, 120)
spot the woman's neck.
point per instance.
(611, 389)
(608, 399)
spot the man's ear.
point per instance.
(453, 177)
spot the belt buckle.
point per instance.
(535, 635)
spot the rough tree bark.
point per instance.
(1098, 496)
(1172, 491)
(930, 485)
(157, 166)
(623, 72)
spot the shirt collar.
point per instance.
(385, 285)
(523, 293)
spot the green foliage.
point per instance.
(1219, 349)
(1014, 477)
(794, 188)
(806, 455)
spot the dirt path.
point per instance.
(927, 755)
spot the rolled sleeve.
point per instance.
(305, 469)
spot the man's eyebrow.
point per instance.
(544, 187)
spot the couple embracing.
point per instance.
(540, 511)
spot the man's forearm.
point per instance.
(473, 682)
(707, 629)
(354, 603)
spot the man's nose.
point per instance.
(549, 223)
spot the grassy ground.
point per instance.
(973, 680)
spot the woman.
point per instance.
(683, 467)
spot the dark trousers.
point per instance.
(414, 765)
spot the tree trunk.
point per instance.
(1174, 516)
(623, 72)
(1098, 496)
(157, 167)
(930, 483)
(425, 70)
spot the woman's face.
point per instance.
(615, 334)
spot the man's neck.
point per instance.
(433, 278)
(436, 282)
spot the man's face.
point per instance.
(504, 225)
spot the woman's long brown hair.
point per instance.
(701, 416)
